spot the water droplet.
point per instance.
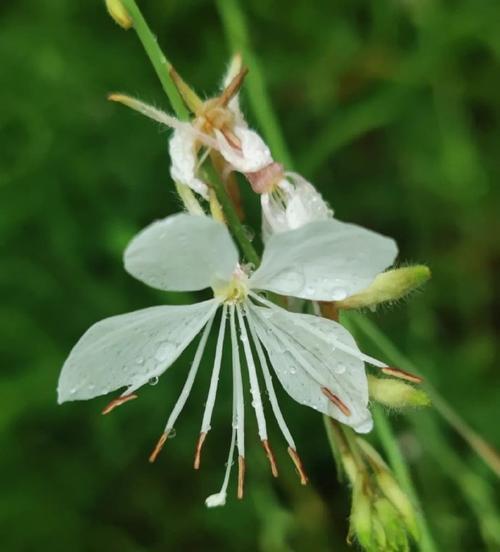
(293, 371)
(139, 360)
(249, 232)
(172, 433)
(243, 337)
(291, 281)
(339, 368)
(154, 380)
(164, 351)
(338, 294)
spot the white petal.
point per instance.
(324, 261)
(253, 156)
(300, 203)
(130, 349)
(305, 362)
(182, 253)
(184, 160)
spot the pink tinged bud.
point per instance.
(263, 181)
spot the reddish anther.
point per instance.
(401, 374)
(159, 445)
(270, 457)
(298, 464)
(197, 455)
(118, 402)
(241, 476)
(336, 401)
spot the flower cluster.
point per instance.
(308, 255)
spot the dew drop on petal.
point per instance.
(164, 351)
(339, 368)
(338, 294)
(154, 380)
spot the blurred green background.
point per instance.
(391, 108)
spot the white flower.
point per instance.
(290, 204)
(316, 360)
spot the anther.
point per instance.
(241, 476)
(401, 374)
(336, 401)
(270, 457)
(118, 402)
(298, 464)
(197, 455)
(159, 445)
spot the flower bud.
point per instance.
(361, 526)
(391, 489)
(393, 536)
(117, 11)
(395, 393)
(388, 286)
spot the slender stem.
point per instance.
(482, 448)
(233, 221)
(159, 61)
(235, 28)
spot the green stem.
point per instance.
(232, 219)
(159, 61)
(235, 28)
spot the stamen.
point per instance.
(159, 445)
(161, 117)
(188, 385)
(336, 401)
(298, 464)
(238, 400)
(401, 374)
(252, 375)
(219, 499)
(269, 383)
(241, 476)
(270, 457)
(118, 402)
(214, 381)
(233, 87)
(197, 455)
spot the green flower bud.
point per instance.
(118, 12)
(394, 537)
(391, 489)
(395, 393)
(388, 286)
(361, 526)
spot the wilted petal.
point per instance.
(323, 261)
(184, 160)
(233, 105)
(300, 204)
(307, 362)
(130, 349)
(253, 154)
(182, 253)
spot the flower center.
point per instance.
(235, 291)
